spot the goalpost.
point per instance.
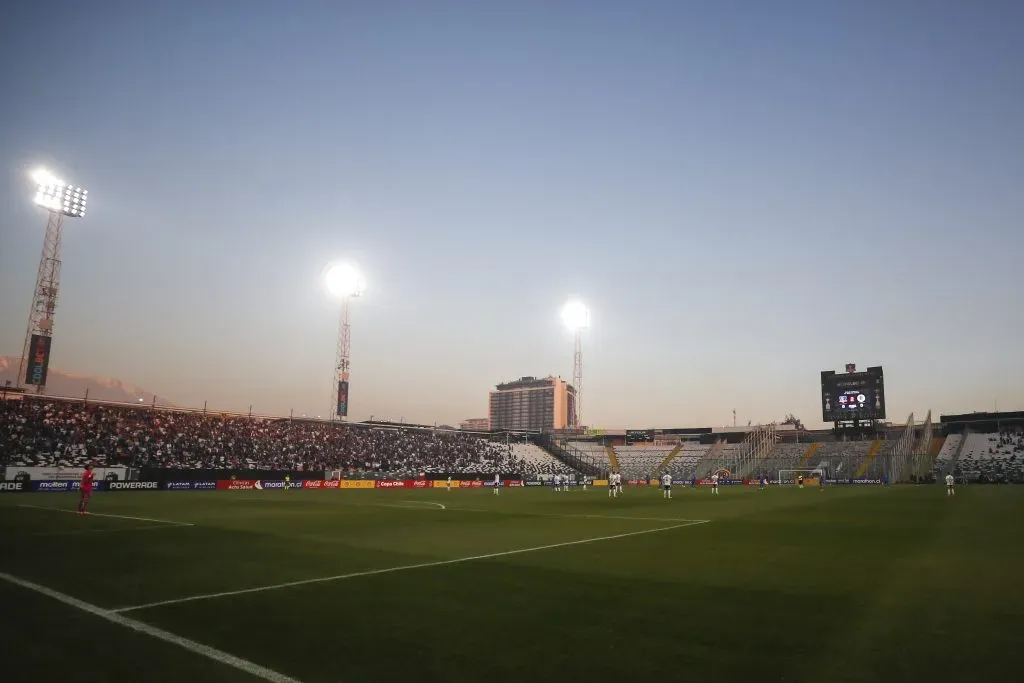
(789, 476)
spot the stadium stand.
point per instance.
(593, 451)
(640, 462)
(992, 458)
(683, 466)
(50, 433)
(944, 461)
(538, 461)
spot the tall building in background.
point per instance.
(475, 424)
(532, 404)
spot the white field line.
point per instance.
(75, 532)
(101, 514)
(579, 515)
(152, 631)
(402, 568)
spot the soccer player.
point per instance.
(949, 485)
(666, 483)
(448, 484)
(497, 483)
(764, 482)
(86, 487)
(821, 481)
(800, 481)
(714, 483)
(618, 484)
(287, 481)
(584, 482)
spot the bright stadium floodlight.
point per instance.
(61, 201)
(576, 317)
(55, 195)
(343, 281)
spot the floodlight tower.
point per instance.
(344, 282)
(576, 317)
(61, 201)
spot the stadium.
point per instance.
(304, 223)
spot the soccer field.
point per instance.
(849, 584)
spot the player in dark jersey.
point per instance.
(86, 488)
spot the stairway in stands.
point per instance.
(805, 463)
(668, 458)
(612, 458)
(872, 452)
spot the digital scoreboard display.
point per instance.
(852, 395)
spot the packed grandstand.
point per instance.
(44, 432)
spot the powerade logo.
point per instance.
(133, 486)
(12, 486)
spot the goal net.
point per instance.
(811, 477)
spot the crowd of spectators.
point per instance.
(996, 458)
(60, 433)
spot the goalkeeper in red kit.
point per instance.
(87, 478)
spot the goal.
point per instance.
(789, 476)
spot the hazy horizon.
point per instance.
(745, 194)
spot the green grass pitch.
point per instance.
(849, 584)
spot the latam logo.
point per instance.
(204, 485)
(178, 485)
(133, 485)
(12, 486)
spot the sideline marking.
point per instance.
(166, 636)
(424, 502)
(102, 514)
(74, 532)
(402, 568)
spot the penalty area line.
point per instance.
(245, 665)
(103, 514)
(403, 568)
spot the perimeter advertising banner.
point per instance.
(38, 360)
(356, 484)
(63, 473)
(342, 398)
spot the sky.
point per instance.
(744, 193)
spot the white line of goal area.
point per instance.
(102, 514)
(158, 633)
(403, 568)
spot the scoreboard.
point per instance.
(853, 395)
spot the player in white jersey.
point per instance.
(611, 485)
(949, 485)
(618, 482)
(497, 483)
(714, 483)
(558, 482)
(666, 485)
(584, 482)
(448, 484)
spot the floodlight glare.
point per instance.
(576, 316)
(56, 196)
(343, 280)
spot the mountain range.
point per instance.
(60, 383)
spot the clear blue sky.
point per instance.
(746, 193)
